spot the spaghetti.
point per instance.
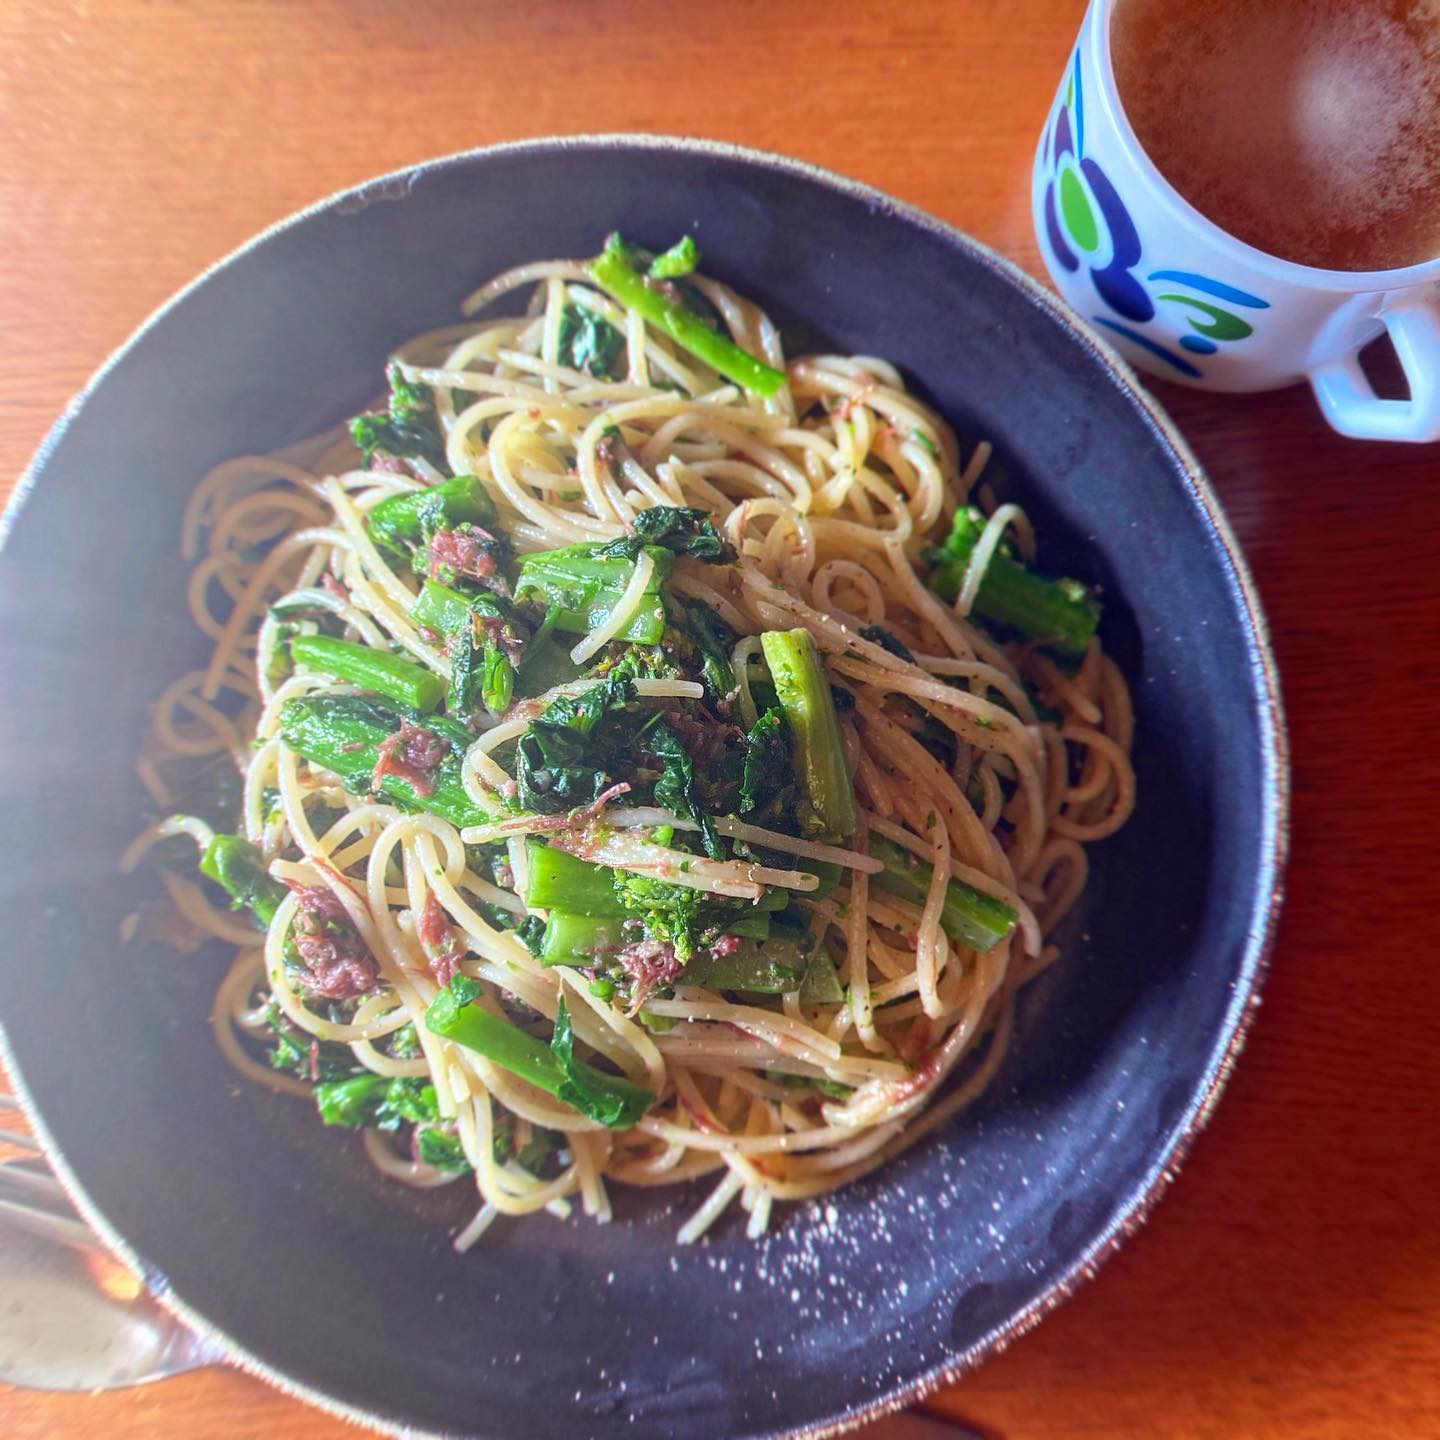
(640, 782)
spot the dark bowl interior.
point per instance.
(278, 1235)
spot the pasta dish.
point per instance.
(627, 756)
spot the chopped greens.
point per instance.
(676, 789)
(804, 694)
(378, 671)
(614, 271)
(582, 585)
(238, 867)
(563, 760)
(402, 522)
(1059, 613)
(681, 529)
(879, 635)
(969, 915)
(409, 429)
(681, 258)
(610, 1100)
(344, 733)
(589, 342)
(768, 777)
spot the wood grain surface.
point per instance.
(1288, 1285)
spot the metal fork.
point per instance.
(77, 1319)
(74, 1317)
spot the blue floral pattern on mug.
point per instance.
(1087, 224)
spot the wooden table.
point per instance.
(1288, 1286)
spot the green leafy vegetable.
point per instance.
(608, 1099)
(614, 272)
(582, 585)
(591, 343)
(681, 529)
(969, 915)
(367, 1101)
(402, 522)
(769, 769)
(556, 880)
(410, 428)
(238, 866)
(879, 635)
(344, 733)
(403, 681)
(673, 913)
(577, 939)
(563, 759)
(676, 789)
(442, 1150)
(1059, 613)
(479, 673)
(299, 1053)
(680, 259)
(714, 642)
(833, 1088)
(768, 967)
(804, 695)
(404, 1044)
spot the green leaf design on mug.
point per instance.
(1222, 324)
(1075, 208)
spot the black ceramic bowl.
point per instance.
(277, 1238)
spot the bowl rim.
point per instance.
(1267, 891)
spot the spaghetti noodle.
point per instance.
(640, 782)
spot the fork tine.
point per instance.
(15, 1177)
(21, 1142)
(47, 1226)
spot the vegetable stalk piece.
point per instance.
(238, 866)
(483, 672)
(804, 695)
(344, 733)
(582, 586)
(969, 915)
(769, 967)
(557, 881)
(608, 1099)
(1059, 613)
(403, 521)
(615, 273)
(385, 674)
(579, 939)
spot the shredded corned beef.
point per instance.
(650, 963)
(436, 935)
(707, 740)
(337, 962)
(469, 554)
(412, 752)
(725, 946)
(500, 633)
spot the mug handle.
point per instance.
(1349, 401)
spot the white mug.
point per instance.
(1183, 299)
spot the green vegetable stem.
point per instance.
(403, 521)
(610, 1100)
(1060, 613)
(615, 272)
(804, 695)
(969, 915)
(237, 865)
(379, 671)
(344, 733)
